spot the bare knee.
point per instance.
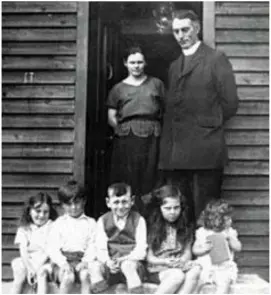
(67, 278)
(129, 266)
(84, 276)
(175, 276)
(19, 270)
(194, 273)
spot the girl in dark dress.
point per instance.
(135, 107)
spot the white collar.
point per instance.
(192, 49)
(35, 227)
(82, 216)
(117, 219)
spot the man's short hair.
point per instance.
(71, 191)
(119, 189)
(185, 13)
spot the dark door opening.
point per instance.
(115, 26)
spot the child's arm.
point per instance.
(152, 259)
(233, 240)
(101, 242)
(139, 251)
(201, 245)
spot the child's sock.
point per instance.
(99, 287)
(137, 290)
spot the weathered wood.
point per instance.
(242, 36)
(248, 258)
(242, 22)
(251, 213)
(263, 272)
(9, 226)
(29, 62)
(34, 181)
(39, 34)
(252, 78)
(38, 91)
(242, 8)
(247, 168)
(208, 23)
(253, 93)
(38, 121)
(250, 64)
(38, 20)
(39, 77)
(246, 183)
(37, 151)
(248, 153)
(21, 195)
(40, 48)
(248, 123)
(38, 7)
(6, 273)
(247, 138)
(8, 242)
(253, 50)
(38, 107)
(36, 166)
(37, 136)
(254, 228)
(253, 108)
(247, 198)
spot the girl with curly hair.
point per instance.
(215, 244)
(31, 237)
(170, 238)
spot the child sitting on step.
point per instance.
(121, 240)
(215, 244)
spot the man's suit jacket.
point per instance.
(199, 101)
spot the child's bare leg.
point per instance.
(85, 281)
(171, 280)
(223, 283)
(191, 280)
(19, 273)
(66, 279)
(42, 278)
(96, 272)
(129, 269)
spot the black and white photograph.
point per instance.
(135, 147)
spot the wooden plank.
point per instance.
(255, 243)
(39, 34)
(242, 22)
(37, 136)
(29, 62)
(37, 107)
(8, 242)
(208, 23)
(250, 64)
(242, 8)
(38, 91)
(247, 168)
(40, 48)
(7, 274)
(263, 272)
(34, 181)
(247, 138)
(253, 50)
(256, 183)
(253, 108)
(39, 77)
(8, 255)
(248, 153)
(256, 229)
(83, 16)
(247, 198)
(36, 166)
(21, 195)
(252, 78)
(10, 226)
(248, 123)
(38, 7)
(38, 121)
(249, 258)
(38, 20)
(251, 213)
(37, 151)
(253, 93)
(242, 36)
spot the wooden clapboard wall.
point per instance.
(241, 31)
(38, 104)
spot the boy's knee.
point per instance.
(129, 265)
(67, 278)
(84, 275)
(176, 276)
(194, 272)
(18, 268)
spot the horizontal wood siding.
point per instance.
(38, 106)
(242, 32)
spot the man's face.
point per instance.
(185, 32)
(120, 205)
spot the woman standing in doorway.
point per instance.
(135, 109)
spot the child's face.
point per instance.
(74, 208)
(40, 214)
(120, 205)
(171, 209)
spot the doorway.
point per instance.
(113, 27)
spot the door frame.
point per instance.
(82, 69)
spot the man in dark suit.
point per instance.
(201, 97)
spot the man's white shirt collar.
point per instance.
(192, 49)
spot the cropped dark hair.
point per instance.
(182, 14)
(213, 216)
(157, 225)
(119, 189)
(71, 191)
(34, 202)
(132, 50)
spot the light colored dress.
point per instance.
(209, 271)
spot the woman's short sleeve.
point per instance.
(112, 100)
(21, 237)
